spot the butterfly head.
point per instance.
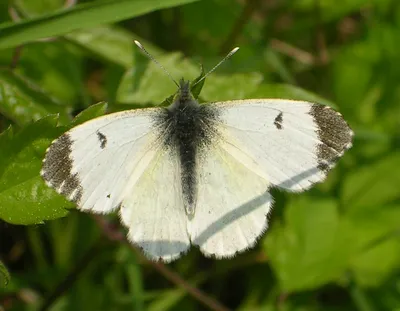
(184, 94)
(183, 98)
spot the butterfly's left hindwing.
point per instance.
(233, 203)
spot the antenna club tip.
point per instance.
(138, 43)
(233, 51)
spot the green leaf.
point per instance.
(81, 16)
(56, 67)
(311, 248)
(23, 102)
(230, 87)
(376, 264)
(287, 91)
(372, 223)
(375, 229)
(107, 41)
(196, 86)
(4, 275)
(154, 86)
(374, 184)
(168, 101)
(24, 197)
(33, 8)
(92, 112)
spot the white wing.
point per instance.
(92, 163)
(233, 203)
(116, 161)
(263, 143)
(292, 144)
(154, 210)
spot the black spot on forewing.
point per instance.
(334, 133)
(102, 139)
(278, 121)
(57, 169)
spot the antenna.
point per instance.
(168, 74)
(155, 61)
(217, 65)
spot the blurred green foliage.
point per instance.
(335, 247)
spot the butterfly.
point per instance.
(195, 173)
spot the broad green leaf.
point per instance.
(33, 8)
(373, 184)
(24, 197)
(111, 43)
(370, 224)
(230, 87)
(196, 86)
(93, 111)
(23, 102)
(287, 91)
(376, 233)
(81, 16)
(311, 248)
(154, 85)
(4, 275)
(57, 67)
(374, 265)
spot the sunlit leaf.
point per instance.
(310, 248)
(287, 91)
(373, 184)
(81, 16)
(24, 197)
(23, 102)
(4, 275)
(111, 43)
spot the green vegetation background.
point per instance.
(335, 247)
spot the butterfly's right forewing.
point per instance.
(117, 162)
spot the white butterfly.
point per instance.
(196, 173)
